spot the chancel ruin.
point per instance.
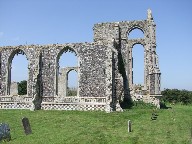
(105, 71)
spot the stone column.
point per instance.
(145, 69)
(131, 67)
(109, 77)
(14, 88)
(9, 79)
(62, 83)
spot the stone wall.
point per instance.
(104, 69)
(7, 54)
(119, 32)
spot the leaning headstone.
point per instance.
(5, 132)
(129, 126)
(26, 126)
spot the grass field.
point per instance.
(173, 126)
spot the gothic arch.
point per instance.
(140, 41)
(10, 59)
(138, 25)
(58, 55)
(135, 28)
(138, 60)
(130, 45)
(71, 69)
(16, 51)
(65, 49)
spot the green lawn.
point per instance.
(173, 126)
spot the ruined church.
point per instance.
(105, 71)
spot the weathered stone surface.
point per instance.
(26, 126)
(129, 127)
(14, 88)
(63, 80)
(104, 70)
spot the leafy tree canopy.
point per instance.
(177, 96)
(22, 87)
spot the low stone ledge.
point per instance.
(79, 103)
(14, 105)
(73, 106)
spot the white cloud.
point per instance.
(1, 34)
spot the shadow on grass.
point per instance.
(163, 106)
(127, 104)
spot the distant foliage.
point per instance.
(142, 105)
(22, 87)
(177, 96)
(71, 92)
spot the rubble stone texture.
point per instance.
(63, 80)
(14, 88)
(105, 76)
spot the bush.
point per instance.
(22, 87)
(143, 105)
(176, 96)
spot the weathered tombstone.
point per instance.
(5, 132)
(154, 116)
(26, 126)
(129, 126)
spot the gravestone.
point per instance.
(154, 116)
(26, 126)
(129, 126)
(5, 132)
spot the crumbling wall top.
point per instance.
(44, 46)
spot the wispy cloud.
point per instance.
(1, 34)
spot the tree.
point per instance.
(177, 96)
(22, 87)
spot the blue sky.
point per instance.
(62, 21)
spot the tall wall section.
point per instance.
(91, 68)
(94, 76)
(104, 70)
(119, 33)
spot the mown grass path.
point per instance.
(52, 127)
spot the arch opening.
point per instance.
(72, 83)
(135, 33)
(138, 72)
(66, 79)
(17, 80)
